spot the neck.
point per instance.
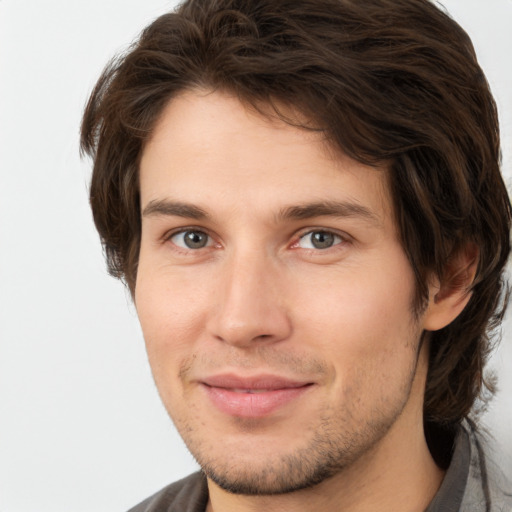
(396, 475)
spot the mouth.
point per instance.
(252, 391)
(253, 397)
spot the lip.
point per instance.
(252, 397)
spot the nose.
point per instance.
(251, 303)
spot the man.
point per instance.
(304, 199)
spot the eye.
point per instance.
(319, 240)
(191, 239)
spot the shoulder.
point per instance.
(187, 495)
(486, 483)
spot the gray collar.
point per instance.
(473, 482)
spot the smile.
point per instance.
(251, 391)
(254, 397)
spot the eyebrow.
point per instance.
(330, 209)
(343, 209)
(165, 207)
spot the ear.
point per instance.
(448, 296)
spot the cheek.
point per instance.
(362, 322)
(369, 304)
(171, 315)
(166, 315)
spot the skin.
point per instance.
(261, 297)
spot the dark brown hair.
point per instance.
(393, 81)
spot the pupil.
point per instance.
(322, 240)
(195, 239)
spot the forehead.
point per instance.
(209, 147)
(209, 119)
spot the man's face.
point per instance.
(274, 297)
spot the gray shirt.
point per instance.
(472, 484)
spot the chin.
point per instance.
(260, 472)
(289, 475)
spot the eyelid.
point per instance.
(168, 235)
(181, 229)
(345, 238)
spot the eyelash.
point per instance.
(339, 239)
(189, 229)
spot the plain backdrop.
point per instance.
(81, 426)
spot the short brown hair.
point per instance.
(393, 81)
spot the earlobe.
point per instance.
(449, 296)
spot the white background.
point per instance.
(81, 426)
